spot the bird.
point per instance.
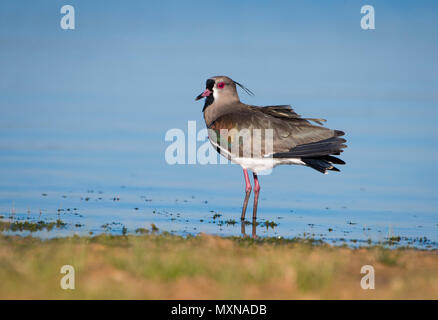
(282, 136)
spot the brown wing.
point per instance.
(292, 136)
(286, 112)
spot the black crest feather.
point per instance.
(249, 92)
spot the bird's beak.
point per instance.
(206, 93)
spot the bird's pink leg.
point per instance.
(247, 193)
(256, 197)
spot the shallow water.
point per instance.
(84, 115)
(107, 183)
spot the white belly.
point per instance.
(258, 165)
(262, 165)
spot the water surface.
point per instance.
(84, 114)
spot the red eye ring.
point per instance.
(221, 85)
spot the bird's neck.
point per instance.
(214, 110)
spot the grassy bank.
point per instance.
(172, 267)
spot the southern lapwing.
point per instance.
(284, 137)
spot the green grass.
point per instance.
(30, 226)
(163, 266)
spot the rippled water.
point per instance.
(100, 181)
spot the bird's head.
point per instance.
(222, 90)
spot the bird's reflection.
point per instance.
(254, 229)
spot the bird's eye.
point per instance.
(221, 85)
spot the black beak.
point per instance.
(208, 90)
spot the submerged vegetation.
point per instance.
(114, 260)
(30, 226)
(164, 266)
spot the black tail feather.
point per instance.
(323, 163)
(319, 155)
(332, 159)
(332, 145)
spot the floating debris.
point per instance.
(270, 224)
(141, 230)
(154, 227)
(216, 215)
